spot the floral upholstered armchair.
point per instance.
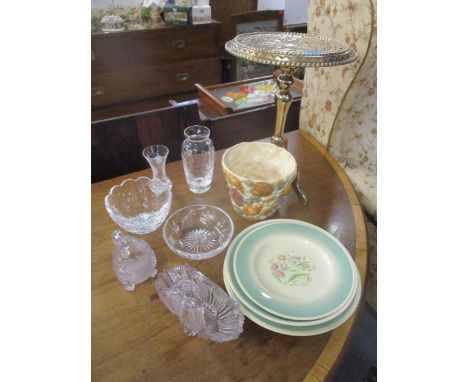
(339, 105)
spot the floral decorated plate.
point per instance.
(294, 270)
(296, 330)
(229, 278)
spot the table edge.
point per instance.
(338, 339)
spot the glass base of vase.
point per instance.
(200, 190)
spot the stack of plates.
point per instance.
(292, 277)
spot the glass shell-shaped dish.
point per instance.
(198, 232)
(140, 205)
(203, 307)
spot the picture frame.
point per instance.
(254, 21)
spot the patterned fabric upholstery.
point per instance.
(339, 104)
(324, 88)
(365, 184)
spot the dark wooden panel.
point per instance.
(115, 149)
(250, 125)
(134, 107)
(222, 10)
(116, 144)
(166, 126)
(160, 80)
(175, 45)
(136, 71)
(110, 54)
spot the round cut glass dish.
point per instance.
(139, 205)
(198, 232)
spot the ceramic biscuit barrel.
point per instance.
(259, 176)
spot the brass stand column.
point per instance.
(283, 99)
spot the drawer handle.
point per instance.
(183, 77)
(178, 44)
(96, 92)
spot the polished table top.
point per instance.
(134, 336)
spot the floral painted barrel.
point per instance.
(259, 176)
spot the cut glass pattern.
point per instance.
(202, 307)
(198, 232)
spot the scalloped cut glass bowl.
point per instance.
(139, 205)
(198, 232)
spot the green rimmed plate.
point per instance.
(294, 330)
(294, 270)
(229, 278)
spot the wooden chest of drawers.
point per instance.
(140, 70)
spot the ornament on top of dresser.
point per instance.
(112, 23)
(131, 14)
(153, 4)
(151, 11)
(176, 15)
(183, 3)
(200, 13)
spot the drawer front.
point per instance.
(175, 45)
(110, 54)
(162, 80)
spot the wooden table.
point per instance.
(134, 336)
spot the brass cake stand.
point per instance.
(289, 51)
